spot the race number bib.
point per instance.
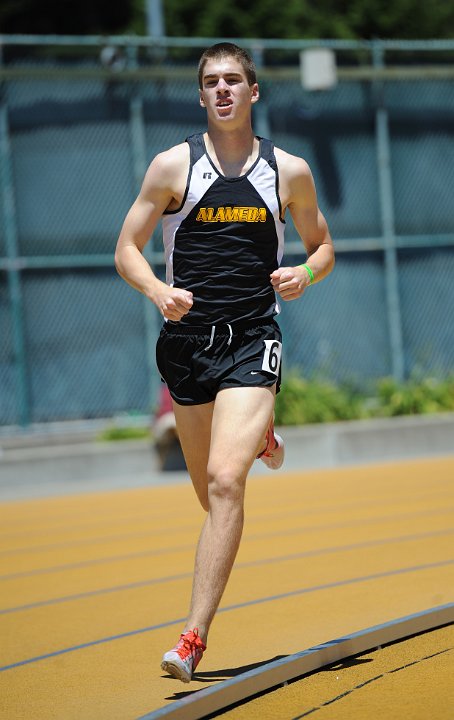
(272, 356)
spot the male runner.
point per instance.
(222, 196)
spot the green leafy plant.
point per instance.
(304, 401)
(125, 433)
(316, 400)
(414, 397)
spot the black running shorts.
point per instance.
(197, 362)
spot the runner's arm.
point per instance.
(290, 282)
(138, 227)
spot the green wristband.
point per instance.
(309, 272)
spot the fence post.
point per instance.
(13, 271)
(139, 155)
(260, 116)
(382, 138)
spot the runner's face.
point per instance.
(225, 92)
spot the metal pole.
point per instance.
(155, 19)
(13, 272)
(156, 29)
(151, 316)
(382, 137)
(262, 125)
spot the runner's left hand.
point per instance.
(290, 282)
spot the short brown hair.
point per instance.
(226, 49)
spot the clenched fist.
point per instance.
(290, 282)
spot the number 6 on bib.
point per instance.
(272, 356)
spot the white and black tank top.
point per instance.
(226, 239)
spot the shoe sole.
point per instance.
(175, 671)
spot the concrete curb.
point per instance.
(365, 441)
(76, 464)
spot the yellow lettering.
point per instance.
(202, 215)
(232, 214)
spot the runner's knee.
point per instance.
(224, 484)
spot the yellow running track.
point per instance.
(95, 587)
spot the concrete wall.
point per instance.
(34, 465)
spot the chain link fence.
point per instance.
(75, 140)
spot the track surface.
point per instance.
(95, 587)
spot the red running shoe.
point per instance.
(273, 454)
(182, 660)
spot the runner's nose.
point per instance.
(222, 86)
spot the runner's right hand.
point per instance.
(173, 303)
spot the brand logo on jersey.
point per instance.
(207, 176)
(232, 214)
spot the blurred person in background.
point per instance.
(165, 434)
(222, 196)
